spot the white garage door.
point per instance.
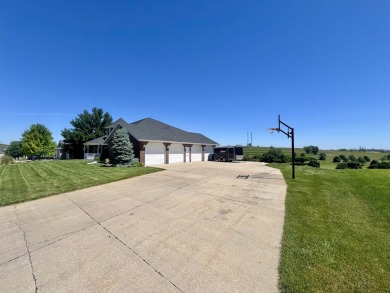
(176, 153)
(154, 153)
(196, 153)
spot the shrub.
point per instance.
(322, 156)
(374, 162)
(314, 163)
(354, 165)
(5, 160)
(352, 158)
(367, 158)
(136, 163)
(361, 160)
(384, 165)
(343, 158)
(273, 155)
(336, 159)
(300, 160)
(341, 165)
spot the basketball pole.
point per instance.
(290, 134)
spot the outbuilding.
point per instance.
(155, 142)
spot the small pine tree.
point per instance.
(122, 148)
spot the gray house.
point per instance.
(155, 142)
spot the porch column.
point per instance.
(142, 145)
(166, 160)
(185, 152)
(190, 146)
(203, 149)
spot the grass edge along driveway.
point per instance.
(336, 234)
(32, 180)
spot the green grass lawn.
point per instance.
(31, 180)
(337, 231)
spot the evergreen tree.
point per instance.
(122, 148)
(87, 126)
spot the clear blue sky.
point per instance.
(221, 68)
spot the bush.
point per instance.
(367, 158)
(344, 158)
(354, 165)
(341, 165)
(273, 155)
(374, 162)
(300, 160)
(136, 163)
(352, 158)
(336, 159)
(322, 156)
(361, 160)
(314, 163)
(5, 160)
(384, 165)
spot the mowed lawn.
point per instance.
(31, 180)
(337, 231)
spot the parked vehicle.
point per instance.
(228, 153)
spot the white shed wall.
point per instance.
(176, 153)
(154, 153)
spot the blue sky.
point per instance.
(221, 68)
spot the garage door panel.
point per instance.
(176, 153)
(154, 154)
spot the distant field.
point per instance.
(337, 230)
(31, 180)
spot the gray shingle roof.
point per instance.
(96, 141)
(150, 129)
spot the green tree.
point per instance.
(311, 149)
(122, 148)
(15, 150)
(38, 141)
(86, 126)
(322, 156)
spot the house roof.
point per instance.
(149, 129)
(96, 141)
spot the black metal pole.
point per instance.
(293, 153)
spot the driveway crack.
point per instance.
(28, 252)
(128, 247)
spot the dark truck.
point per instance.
(228, 153)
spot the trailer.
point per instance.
(228, 153)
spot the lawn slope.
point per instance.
(337, 231)
(31, 180)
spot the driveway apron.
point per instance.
(194, 227)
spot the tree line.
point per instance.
(37, 141)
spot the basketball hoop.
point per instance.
(271, 130)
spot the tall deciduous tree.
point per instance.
(15, 150)
(86, 126)
(38, 141)
(122, 148)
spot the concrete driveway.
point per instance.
(194, 227)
